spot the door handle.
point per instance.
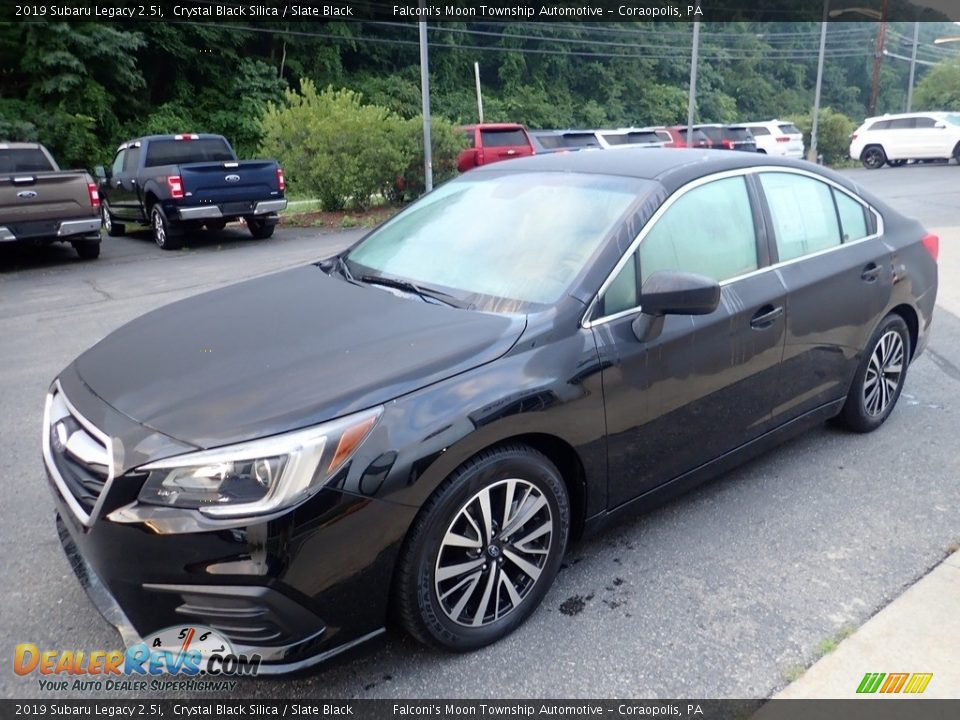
(765, 317)
(871, 272)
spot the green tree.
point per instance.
(939, 89)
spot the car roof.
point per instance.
(672, 167)
(4, 145)
(897, 116)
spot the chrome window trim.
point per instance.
(586, 323)
(68, 497)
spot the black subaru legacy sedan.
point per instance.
(414, 430)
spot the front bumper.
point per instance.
(214, 212)
(295, 588)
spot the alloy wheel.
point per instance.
(159, 228)
(874, 158)
(107, 221)
(493, 553)
(884, 373)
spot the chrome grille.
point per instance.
(77, 455)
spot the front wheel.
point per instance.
(163, 234)
(259, 228)
(484, 550)
(879, 378)
(873, 157)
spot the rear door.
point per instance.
(838, 276)
(699, 385)
(125, 193)
(929, 139)
(902, 139)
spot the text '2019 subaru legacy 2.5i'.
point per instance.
(416, 428)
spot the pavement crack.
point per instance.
(946, 366)
(100, 291)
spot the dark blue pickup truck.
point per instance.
(180, 183)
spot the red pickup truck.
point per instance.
(492, 142)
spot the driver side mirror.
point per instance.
(101, 173)
(670, 292)
(940, 124)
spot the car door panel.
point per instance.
(703, 386)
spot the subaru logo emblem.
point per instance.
(26, 194)
(232, 178)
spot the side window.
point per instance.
(804, 218)
(132, 160)
(708, 230)
(853, 217)
(926, 123)
(117, 166)
(902, 124)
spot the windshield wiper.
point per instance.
(426, 294)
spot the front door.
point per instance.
(700, 385)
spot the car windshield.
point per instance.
(501, 243)
(952, 118)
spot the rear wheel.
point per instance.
(484, 550)
(163, 235)
(113, 228)
(879, 378)
(873, 157)
(87, 249)
(260, 228)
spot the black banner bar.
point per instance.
(873, 709)
(482, 10)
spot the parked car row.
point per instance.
(503, 141)
(895, 140)
(175, 183)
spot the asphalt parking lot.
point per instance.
(725, 592)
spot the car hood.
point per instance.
(281, 352)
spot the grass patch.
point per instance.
(794, 673)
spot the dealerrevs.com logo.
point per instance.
(892, 683)
(187, 657)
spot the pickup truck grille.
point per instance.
(77, 455)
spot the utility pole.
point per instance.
(913, 65)
(476, 75)
(692, 101)
(815, 125)
(425, 93)
(877, 59)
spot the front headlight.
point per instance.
(259, 476)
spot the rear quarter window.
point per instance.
(759, 131)
(503, 138)
(787, 129)
(879, 125)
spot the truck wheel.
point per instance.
(87, 249)
(163, 236)
(113, 228)
(259, 228)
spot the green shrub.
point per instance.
(446, 141)
(335, 148)
(833, 134)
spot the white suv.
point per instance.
(777, 137)
(895, 139)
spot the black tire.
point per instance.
(873, 157)
(215, 225)
(87, 249)
(164, 235)
(956, 154)
(865, 411)
(417, 601)
(113, 228)
(260, 228)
